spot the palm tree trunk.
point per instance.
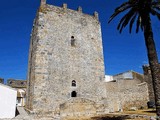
(153, 62)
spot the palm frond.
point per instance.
(131, 22)
(122, 5)
(118, 11)
(138, 23)
(142, 8)
(128, 17)
(157, 8)
(142, 25)
(153, 12)
(122, 19)
(155, 3)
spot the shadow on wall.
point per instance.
(17, 112)
(124, 117)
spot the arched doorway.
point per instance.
(74, 94)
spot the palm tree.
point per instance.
(139, 11)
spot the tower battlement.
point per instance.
(44, 7)
(43, 2)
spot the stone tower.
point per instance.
(66, 67)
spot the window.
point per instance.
(72, 37)
(72, 41)
(74, 94)
(74, 83)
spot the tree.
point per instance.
(139, 11)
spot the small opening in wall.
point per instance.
(74, 94)
(72, 37)
(72, 41)
(74, 83)
(10, 82)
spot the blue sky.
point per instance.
(122, 52)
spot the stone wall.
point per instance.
(129, 75)
(17, 83)
(66, 47)
(81, 107)
(125, 94)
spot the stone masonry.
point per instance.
(65, 62)
(17, 83)
(66, 68)
(125, 94)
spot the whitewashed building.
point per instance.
(8, 98)
(108, 78)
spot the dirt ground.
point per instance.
(148, 114)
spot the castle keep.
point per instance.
(66, 67)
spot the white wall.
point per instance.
(8, 98)
(108, 78)
(128, 75)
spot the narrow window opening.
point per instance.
(72, 37)
(72, 41)
(74, 94)
(74, 83)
